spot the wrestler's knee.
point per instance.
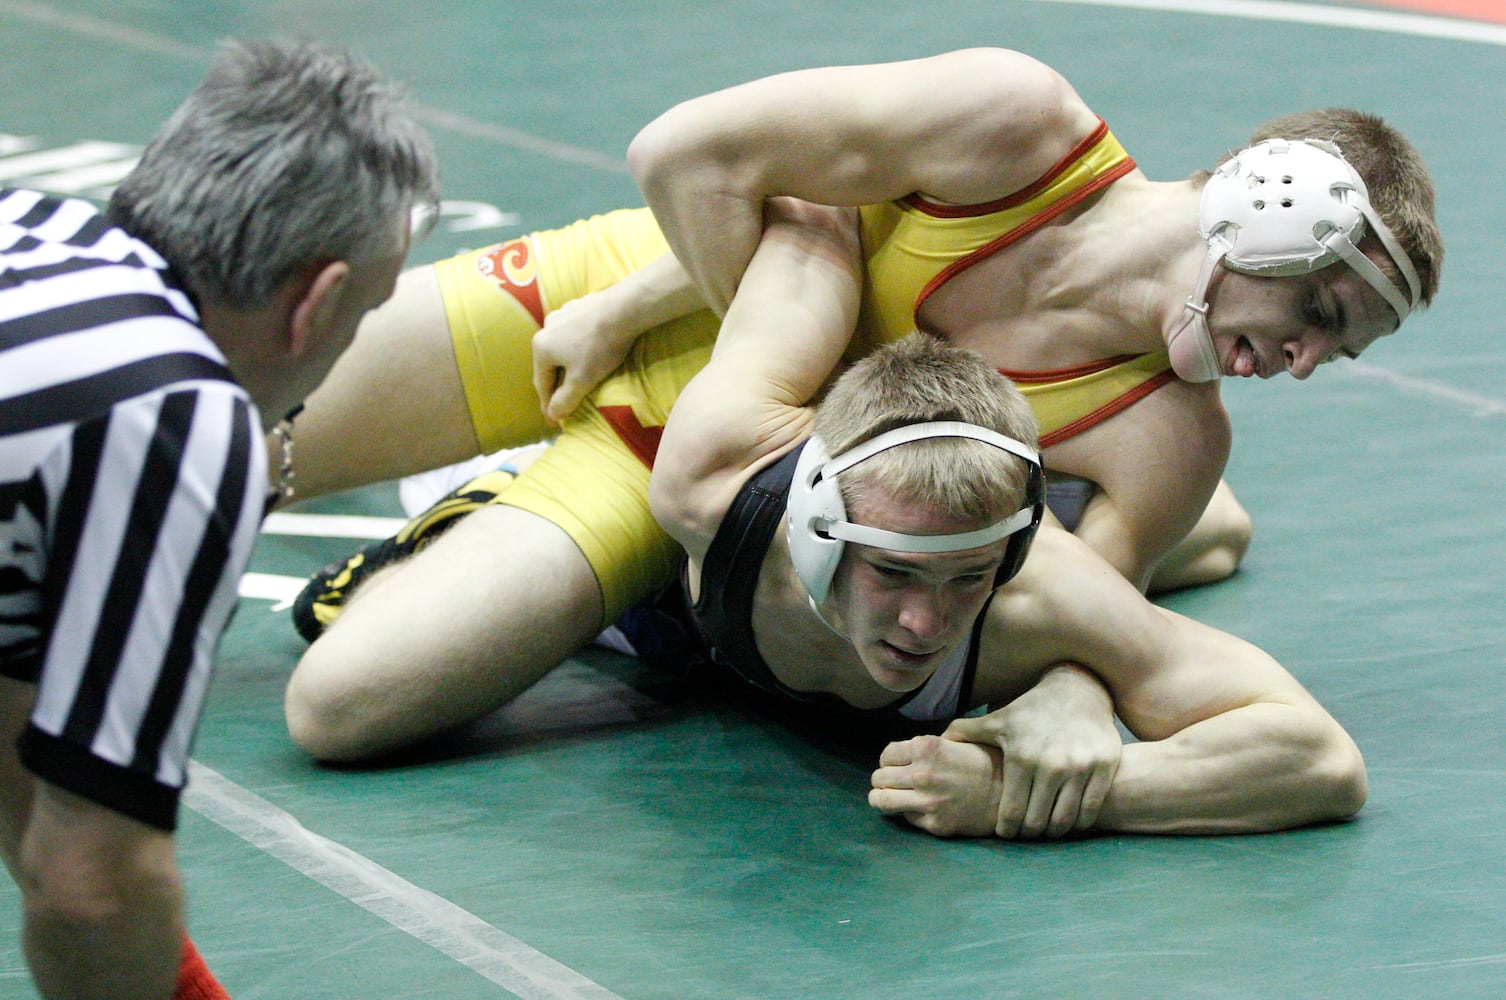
(1229, 530)
(327, 715)
(1214, 549)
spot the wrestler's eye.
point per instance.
(1318, 315)
(1325, 312)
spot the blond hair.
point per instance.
(918, 379)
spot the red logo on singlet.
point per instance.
(641, 441)
(512, 267)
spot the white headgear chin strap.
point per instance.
(1283, 208)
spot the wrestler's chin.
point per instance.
(899, 670)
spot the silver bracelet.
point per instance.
(283, 432)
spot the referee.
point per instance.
(144, 352)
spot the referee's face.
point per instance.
(369, 284)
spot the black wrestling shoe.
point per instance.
(323, 597)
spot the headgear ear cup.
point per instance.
(815, 499)
(1019, 542)
(1279, 208)
(1269, 205)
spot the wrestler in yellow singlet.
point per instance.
(594, 482)
(914, 246)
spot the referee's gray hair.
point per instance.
(286, 156)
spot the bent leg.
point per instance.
(1212, 551)
(446, 637)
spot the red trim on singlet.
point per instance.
(1063, 374)
(1025, 228)
(1018, 233)
(641, 441)
(941, 210)
(1108, 409)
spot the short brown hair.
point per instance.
(1401, 189)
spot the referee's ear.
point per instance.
(318, 308)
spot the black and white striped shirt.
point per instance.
(132, 484)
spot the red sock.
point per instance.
(195, 981)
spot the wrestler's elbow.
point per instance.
(683, 508)
(666, 496)
(1341, 784)
(654, 151)
(1230, 530)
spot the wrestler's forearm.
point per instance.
(1254, 769)
(656, 293)
(712, 231)
(584, 340)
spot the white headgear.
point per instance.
(817, 525)
(1281, 208)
